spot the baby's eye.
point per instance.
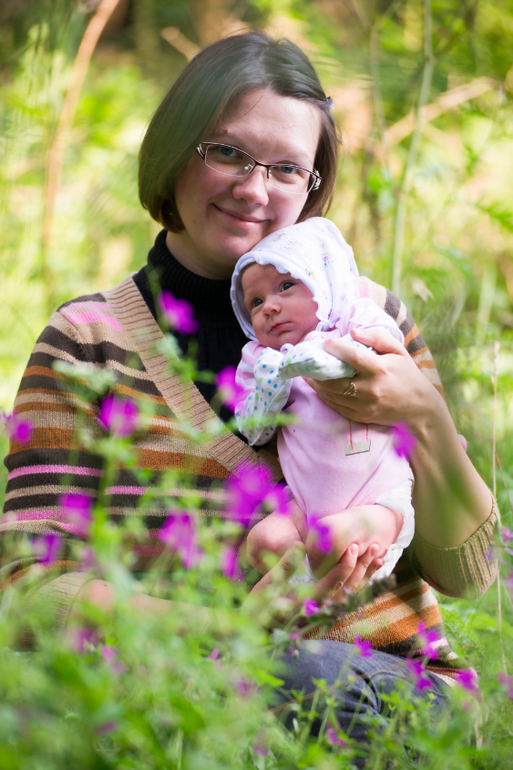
(256, 302)
(287, 285)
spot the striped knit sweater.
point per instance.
(115, 329)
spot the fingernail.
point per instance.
(353, 550)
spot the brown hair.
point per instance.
(206, 91)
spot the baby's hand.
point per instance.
(329, 538)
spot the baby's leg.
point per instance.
(269, 539)
(363, 525)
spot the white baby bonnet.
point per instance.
(315, 253)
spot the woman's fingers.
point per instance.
(364, 361)
(334, 585)
(349, 575)
(367, 565)
(378, 339)
(272, 602)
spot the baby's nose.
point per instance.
(271, 304)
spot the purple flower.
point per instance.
(403, 439)
(427, 641)
(110, 726)
(263, 750)
(417, 672)
(333, 737)
(110, 658)
(179, 534)
(118, 415)
(244, 688)
(247, 489)
(229, 563)
(278, 499)
(178, 312)
(82, 639)
(77, 511)
(88, 560)
(16, 429)
(506, 533)
(468, 679)
(310, 607)
(47, 547)
(322, 532)
(228, 389)
(214, 657)
(507, 681)
(363, 646)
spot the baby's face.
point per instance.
(282, 308)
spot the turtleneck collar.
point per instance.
(203, 293)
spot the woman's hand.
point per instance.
(363, 526)
(389, 386)
(273, 601)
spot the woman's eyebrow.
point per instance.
(293, 155)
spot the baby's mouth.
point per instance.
(279, 327)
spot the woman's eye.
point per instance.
(288, 170)
(226, 152)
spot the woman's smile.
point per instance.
(241, 218)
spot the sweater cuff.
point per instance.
(470, 566)
(57, 596)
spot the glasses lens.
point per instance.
(233, 162)
(228, 160)
(291, 179)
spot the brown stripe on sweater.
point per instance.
(98, 297)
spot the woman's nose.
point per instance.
(252, 188)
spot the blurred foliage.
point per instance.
(456, 277)
(196, 688)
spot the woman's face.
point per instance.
(224, 217)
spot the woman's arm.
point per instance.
(450, 498)
(270, 601)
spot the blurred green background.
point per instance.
(423, 92)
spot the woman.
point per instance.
(247, 94)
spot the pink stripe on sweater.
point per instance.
(125, 490)
(63, 526)
(72, 469)
(30, 516)
(90, 317)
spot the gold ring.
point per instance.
(351, 391)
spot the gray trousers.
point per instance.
(359, 684)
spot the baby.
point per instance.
(297, 287)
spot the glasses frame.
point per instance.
(202, 148)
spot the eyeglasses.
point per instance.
(234, 162)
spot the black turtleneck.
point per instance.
(220, 338)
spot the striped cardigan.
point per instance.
(115, 330)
